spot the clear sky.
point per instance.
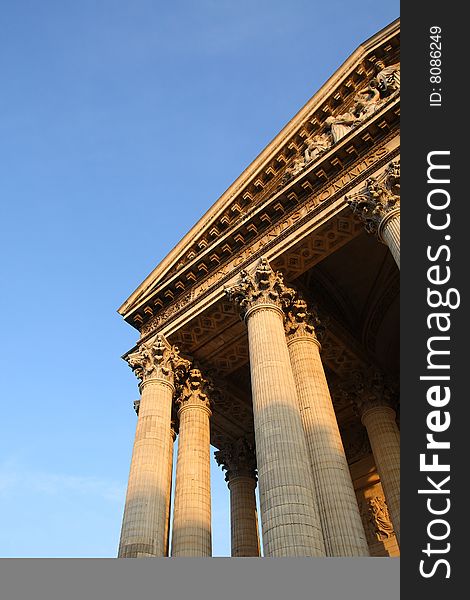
(121, 122)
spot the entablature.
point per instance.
(280, 176)
(312, 192)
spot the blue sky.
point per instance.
(120, 124)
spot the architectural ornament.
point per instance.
(238, 459)
(157, 320)
(156, 360)
(316, 146)
(356, 441)
(387, 78)
(380, 518)
(379, 197)
(300, 321)
(367, 102)
(194, 389)
(341, 125)
(263, 287)
(370, 389)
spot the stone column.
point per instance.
(192, 512)
(239, 461)
(144, 526)
(289, 512)
(343, 530)
(378, 206)
(372, 398)
(173, 433)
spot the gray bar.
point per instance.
(205, 579)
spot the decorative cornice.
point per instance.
(350, 86)
(264, 287)
(238, 459)
(157, 359)
(376, 201)
(307, 209)
(301, 322)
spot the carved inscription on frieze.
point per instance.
(283, 225)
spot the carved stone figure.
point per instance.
(316, 146)
(341, 125)
(380, 518)
(294, 169)
(367, 101)
(388, 78)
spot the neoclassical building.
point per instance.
(271, 332)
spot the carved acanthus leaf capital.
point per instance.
(238, 459)
(194, 389)
(301, 321)
(355, 441)
(264, 286)
(379, 197)
(157, 359)
(371, 389)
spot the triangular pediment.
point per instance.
(318, 132)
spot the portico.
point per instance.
(271, 333)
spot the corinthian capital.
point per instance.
(264, 286)
(238, 459)
(194, 389)
(371, 389)
(301, 322)
(156, 360)
(379, 197)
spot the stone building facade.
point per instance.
(271, 332)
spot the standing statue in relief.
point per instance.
(380, 517)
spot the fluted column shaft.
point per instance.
(192, 511)
(170, 483)
(243, 516)
(289, 512)
(340, 517)
(145, 521)
(389, 233)
(384, 438)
